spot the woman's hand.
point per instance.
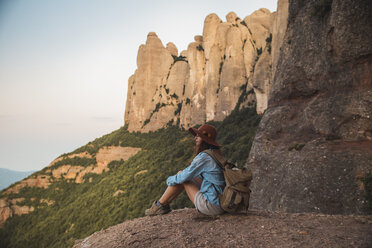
(179, 171)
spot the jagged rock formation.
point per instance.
(9, 208)
(53, 173)
(40, 181)
(313, 148)
(229, 66)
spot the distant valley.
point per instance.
(7, 177)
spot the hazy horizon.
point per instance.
(8, 177)
(64, 67)
(2, 168)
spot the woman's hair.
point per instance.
(203, 146)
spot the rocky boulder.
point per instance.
(313, 149)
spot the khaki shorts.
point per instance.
(205, 207)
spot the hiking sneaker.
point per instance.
(157, 210)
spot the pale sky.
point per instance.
(65, 64)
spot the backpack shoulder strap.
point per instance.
(218, 157)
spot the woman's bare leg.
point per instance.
(191, 190)
(171, 193)
(191, 187)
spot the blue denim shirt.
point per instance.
(205, 167)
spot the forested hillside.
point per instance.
(65, 210)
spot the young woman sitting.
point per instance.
(202, 180)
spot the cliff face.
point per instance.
(230, 65)
(313, 148)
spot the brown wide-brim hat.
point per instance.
(207, 132)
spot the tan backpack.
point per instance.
(235, 197)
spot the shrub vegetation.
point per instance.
(82, 209)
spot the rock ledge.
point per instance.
(186, 228)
